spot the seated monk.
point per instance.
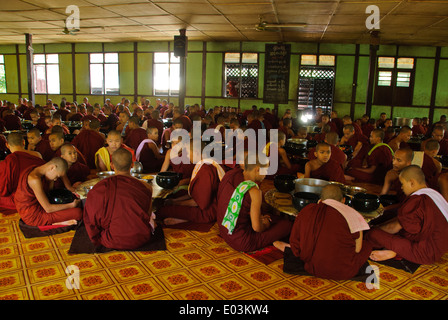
(118, 210)
(88, 142)
(323, 167)
(186, 169)
(400, 141)
(122, 126)
(199, 205)
(430, 165)
(328, 238)
(239, 196)
(32, 202)
(56, 121)
(77, 172)
(286, 127)
(12, 167)
(419, 233)
(347, 120)
(359, 143)
(284, 165)
(402, 159)
(332, 139)
(103, 157)
(417, 128)
(379, 161)
(57, 139)
(136, 134)
(166, 135)
(36, 143)
(148, 152)
(12, 121)
(438, 133)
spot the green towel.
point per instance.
(379, 145)
(234, 207)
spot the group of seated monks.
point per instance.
(331, 238)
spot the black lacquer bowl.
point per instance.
(168, 179)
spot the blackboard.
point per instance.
(276, 73)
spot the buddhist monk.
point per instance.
(155, 121)
(241, 222)
(36, 143)
(284, 164)
(118, 210)
(419, 233)
(122, 126)
(332, 139)
(32, 202)
(77, 172)
(199, 205)
(359, 143)
(56, 121)
(438, 134)
(417, 128)
(323, 167)
(400, 141)
(166, 135)
(103, 156)
(430, 165)
(57, 139)
(149, 153)
(379, 161)
(328, 238)
(12, 167)
(136, 134)
(348, 120)
(88, 142)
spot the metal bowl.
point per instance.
(352, 190)
(310, 185)
(105, 174)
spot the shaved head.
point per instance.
(114, 133)
(122, 160)
(413, 172)
(432, 145)
(61, 164)
(332, 191)
(15, 139)
(66, 147)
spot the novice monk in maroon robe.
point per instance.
(253, 230)
(379, 161)
(103, 157)
(136, 133)
(56, 140)
(36, 143)
(359, 143)
(284, 165)
(323, 167)
(88, 142)
(118, 210)
(12, 167)
(430, 165)
(402, 159)
(419, 233)
(337, 154)
(77, 172)
(148, 152)
(328, 238)
(32, 202)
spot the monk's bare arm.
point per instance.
(284, 158)
(390, 176)
(67, 183)
(357, 149)
(101, 165)
(358, 243)
(35, 184)
(166, 163)
(259, 222)
(307, 170)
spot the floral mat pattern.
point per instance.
(195, 266)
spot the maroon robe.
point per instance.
(431, 172)
(76, 117)
(158, 124)
(30, 210)
(336, 154)
(203, 189)
(149, 161)
(10, 170)
(77, 172)
(367, 128)
(135, 137)
(81, 157)
(244, 238)
(88, 142)
(330, 171)
(12, 122)
(357, 161)
(424, 236)
(381, 157)
(117, 213)
(418, 129)
(321, 238)
(186, 122)
(63, 113)
(43, 147)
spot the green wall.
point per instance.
(204, 74)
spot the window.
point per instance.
(241, 75)
(46, 73)
(2, 75)
(316, 82)
(394, 83)
(166, 74)
(104, 77)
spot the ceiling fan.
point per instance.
(273, 27)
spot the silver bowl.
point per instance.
(352, 190)
(310, 185)
(105, 174)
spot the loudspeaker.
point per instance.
(180, 46)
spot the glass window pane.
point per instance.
(403, 79)
(326, 60)
(2, 79)
(96, 79)
(161, 57)
(174, 79)
(386, 62)
(2, 59)
(309, 59)
(384, 78)
(112, 82)
(174, 59)
(96, 58)
(161, 81)
(53, 79)
(250, 58)
(232, 57)
(39, 58)
(52, 58)
(405, 63)
(40, 85)
(111, 57)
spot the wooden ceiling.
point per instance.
(338, 21)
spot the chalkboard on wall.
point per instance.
(276, 73)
